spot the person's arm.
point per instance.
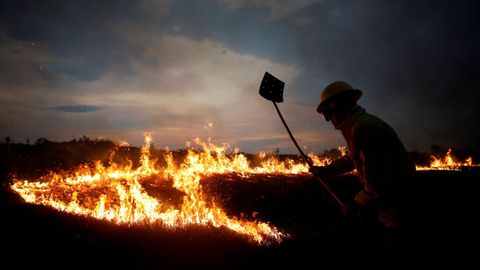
(339, 166)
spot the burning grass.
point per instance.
(39, 236)
(171, 194)
(447, 163)
(117, 193)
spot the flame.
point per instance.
(323, 161)
(122, 143)
(319, 161)
(342, 150)
(115, 192)
(447, 163)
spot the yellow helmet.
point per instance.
(335, 89)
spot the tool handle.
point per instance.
(307, 159)
(334, 196)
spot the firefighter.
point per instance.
(374, 150)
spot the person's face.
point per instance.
(331, 114)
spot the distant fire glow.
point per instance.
(447, 163)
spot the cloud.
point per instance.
(303, 20)
(183, 71)
(158, 7)
(411, 65)
(21, 62)
(179, 83)
(76, 33)
(173, 86)
(278, 8)
(78, 108)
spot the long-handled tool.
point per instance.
(271, 89)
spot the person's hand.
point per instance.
(364, 197)
(345, 209)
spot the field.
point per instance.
(441, 228)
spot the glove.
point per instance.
(364, 198)
(345, 209)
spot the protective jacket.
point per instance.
(380, 159)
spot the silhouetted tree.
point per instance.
(85, 139)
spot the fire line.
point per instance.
(115, 193)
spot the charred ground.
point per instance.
(442, 227)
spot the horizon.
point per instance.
(434, 149)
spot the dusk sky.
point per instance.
(117, 69)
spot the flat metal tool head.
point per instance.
(271, 88)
